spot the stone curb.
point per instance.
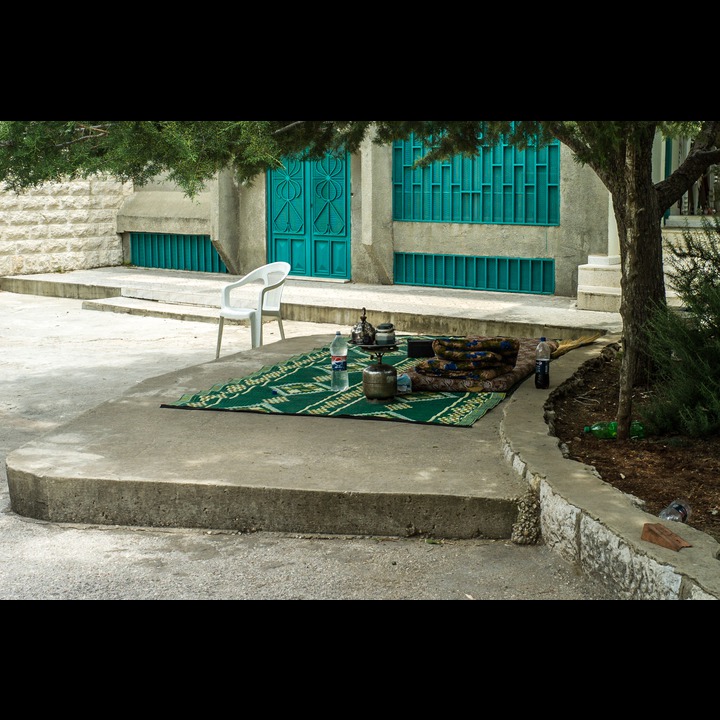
(589, 522)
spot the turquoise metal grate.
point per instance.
(500, 185)
(176, 252)
(467, 272)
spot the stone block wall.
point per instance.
(61, 226)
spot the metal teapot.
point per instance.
(363, 333)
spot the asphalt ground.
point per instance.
(59, 361)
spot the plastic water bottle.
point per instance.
(542, 365)
(338, 355)
(608, 430)
(678, 510)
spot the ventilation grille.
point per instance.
(504, 274)
(175, 252)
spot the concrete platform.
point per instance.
(130, 462)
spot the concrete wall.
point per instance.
(161, 207)
(61, 226)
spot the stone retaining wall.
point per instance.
(61, 226)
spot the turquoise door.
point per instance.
(309, 217)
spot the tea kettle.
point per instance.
(363, 333)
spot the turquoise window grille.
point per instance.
(470, 272)
(500, 185)
(175, 252)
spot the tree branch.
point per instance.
(704, 153)
(288, 127)
(575, 141)
(95, 131)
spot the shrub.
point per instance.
(685, 344)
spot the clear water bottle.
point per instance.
(542, 365)
(607, 430)
(678, 510)
(338, 356)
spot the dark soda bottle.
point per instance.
(542, 365)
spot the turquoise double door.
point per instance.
(309, 217)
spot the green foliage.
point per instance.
(680, 128)
(191, 152)
(685, 344)
(695, 272)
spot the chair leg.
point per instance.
(256, 330)
(280, 325)
(220, 331)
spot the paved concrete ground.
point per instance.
(124, 443)
(59, 361)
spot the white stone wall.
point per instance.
(61, 226)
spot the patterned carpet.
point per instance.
(301, 386)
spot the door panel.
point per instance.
(309, 217)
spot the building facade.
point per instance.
(505, 221)
(369, 219)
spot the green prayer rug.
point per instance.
(301, 386)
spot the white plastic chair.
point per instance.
(272, 276)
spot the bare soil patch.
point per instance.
(655, 469)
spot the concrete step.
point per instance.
(421, 310)
(598, 298)
(607, 299)
(179, 296)
(599, 275)
(31, 285)
(153, 308)
(430, 323)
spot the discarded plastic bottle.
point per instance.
(542, 365)
(678, 510)
(338, 356)
(608, 430)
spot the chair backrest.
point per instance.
(264, 277)
(271, 274)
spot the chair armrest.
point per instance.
(267, 288)
(253, 276)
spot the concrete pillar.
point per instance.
(224, 219)
(372, 235)
(613, 253)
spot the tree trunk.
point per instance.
(642, 282)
